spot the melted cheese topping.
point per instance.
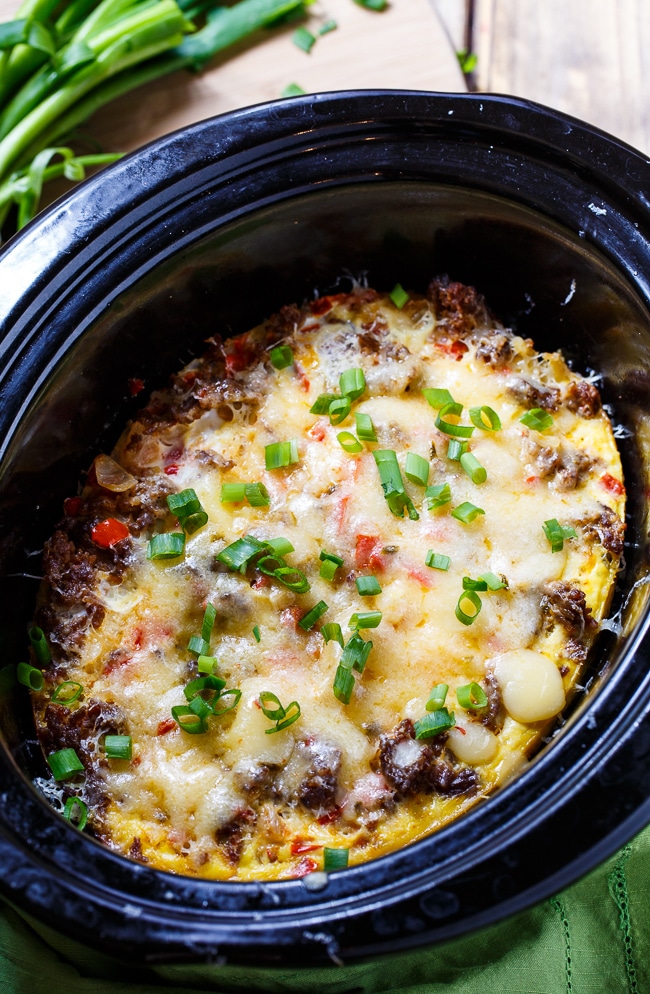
(238, 802)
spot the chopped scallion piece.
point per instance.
(352, 382)
(257, 495)
(473, 468)
(281, 454)
(365, 619)
(416, 469)
(399, 296)
(76, 812)
(355, 653)
(240, 553)
(322, 403)
(309, 620)
(557, 533)
(184, 503)
(219, 708)
(537, 419)
(283, 717)
(331, 632)
(200, 707)
(328, 570)
(198, 646)
(456, 449)
(188, 720)
(328, 26)
(118, 746)
(281, 356)
(193, 522)
(437, 397)
(433, 723)
(209, 618)
(292, 90)
(469, 584)
(207, 688)
(493, 581)
(437, 697)
(365, 428)
(472, 697)
(473, 598)
(392, 484)
(293, 578)
(233, 493)
(206, 664)
(339, 410)
(485, 418)
(269, 564)
(378, 5)
(348, 442)
(466, 512)
(335, 859)
(169, 545)
(64, 764)
(67, 692)
(30, 676)
(437, 496)
(368, 586)
(436, 560)
(448, 427)
(280, 546)
(304, 39)
(256, 634)
(343, 684)
(40, 646)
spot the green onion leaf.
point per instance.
(433, 723)
(469, 584)
(283, 717)
(293, 578)
(257, 495)
(322, 403)
(324, 556)
(437, 697)
(356, 652)
(206, 664)
(473, 598)
(200, 708)
(207, 688)
(343, 684)
(399, 296)
(256, 634)
(466, 512)
(30, 676)
(193, 522)
(76, 812)
(352, 383)
(240, 553)
(269, 564)
(280, 546)
(392, 484)
(335, 859)
(64, 764)
(557, 533)
(184, 503)
(331, 632)
(292, 90)
(328, 26)
(219, 708)
(198, 646)
(233, 493)
(339, 410)
(436, 560)
(328, 569)
(304, 39)
(118, 746)
(537, 419)
(281, 454)
(416, 469)
(281, 356)
(437, 496)
(377, 5)
(167, 546)
(472, 697)
(437, 397)
(188, 720)
(365, 619)
(365, 427)
(309, 620)
(348, 442)
(40, 646)
(485, 418)
(67, 692)
(456, 449)
(448, 427)
(493, 581)
(368, 586)
(209, 618)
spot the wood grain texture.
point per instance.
(588, 58)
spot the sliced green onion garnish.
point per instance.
(269, 564)
(331, 632)
(437, 697)
(437, 496)
(281, 356)
(322, 403)
(193, 522)
(365, 427)
(392, 484)
(283, 717)
(485, 418)
(472, 697)
(356, 652)
(281, 454)
(448, 427)
(166, 546)
(556, 533)
(292, 90)
(233, 493)
(184, 503)
(64, 764)
(40, 646)
(328, 26)
(469, 584)
(473, 598)
(303, 39)
(437, 397)
(537, 419)
(76, 812)
(118, 746)
(206, 664)
(280, 546)
(466, 512)
(348, 442)
(67, 692)
(368, 586)
(324, 556)
(257, 495)
(365, 619)
(219, 707)
(256, 634)
(198, 646)
(328, 569)
(352, 383)
(335, 859)
(493, 581)
(240, 553)
(339, 410)
(416, 469)
(188, 720)
(293, 578)
(343, 684)
(399, 296)
(433, 723)
(309, 620)
(207, 687)
(456, 448)
(399, 502)
(436, 560)
(473, 468)
(200, 708)
(30, 676)
(209, 618)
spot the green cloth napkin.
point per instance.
(593, 937)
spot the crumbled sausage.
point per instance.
(413, 767)
(530, 393)
(80, 729)
(607, 528)
(582, 398)
(495, 350)
(566, 604)
(320, 784)
(494, 715)
(566, 466)
(460, 307)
